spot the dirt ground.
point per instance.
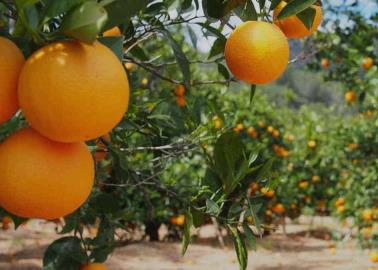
(23, 250)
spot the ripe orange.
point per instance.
(252, 132)
(315, 179)
(340, 209)
(180, 220)
(275, 133)
(340, 202)
(311, 144)
(180, 90)
(257, 52)
(292, 26)
(217, 122)
(367, 215)
(325, 63)
(129, 67)
(11, 62)
(180, 101)
(41, 178)
(279, 209)
(94, 266)
(303, 184)
(367, 63)
(113, 32)
(374, 256)
(71, 92)
(6, 223)
(350, 96)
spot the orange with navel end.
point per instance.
(113, 32)
(257, 52)
(72, 92)
(350, 96)
(11, 62)
(367, 63)
(94, 266)
(41, 178)
(292, 26)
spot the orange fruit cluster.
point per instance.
(180, 95)
(69, 92)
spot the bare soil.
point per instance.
(298, 250)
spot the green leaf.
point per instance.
(212, 208)
(217, 9)
(120, 11)
(64, 253)
(24, 3)
(139, 53)
(274, 4)
(240, 248)
(254, 208)
(262, 4)
(180, 56)
(294, 7)
(265, 170)
(198, 218)
(186, 235)
(115, 44)
(85, 22)
(54, 8)
(218, 47)
(252, 94)
(105, 202)
(307, 16)
(247, 12)
(250, 236)
(223, 71)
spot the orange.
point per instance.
(144, 82)
(113, 32)
(270, 129)
(217, 122)
(292, 26)
(279, 209)
(129, 66)
(374, 256)
(180, 101)
(367, 63)
(180, 90)
(367, 215)
(180, 220)
(41, 178)
(257, 52)
(303, 184)
(276, 133)
(252, 132)
(340, 209)
(71, 92)
(11, 62)
(94, 266)
(340, 202)
(350, 96)
(311, 144)
(315, 179)
(325, 63)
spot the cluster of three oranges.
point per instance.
(69, 92)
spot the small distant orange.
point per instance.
(279, 209)
(292, 26)
(72, 92)
(350, 96)
(180, 90)
(11, 62)
(325, 63)
(94, 266)
(113, 32)
(41, 178)
(257, 52)
(180, 101)
(311, 144)
(367, 63)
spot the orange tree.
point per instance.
(351, 60)
(162, 158)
